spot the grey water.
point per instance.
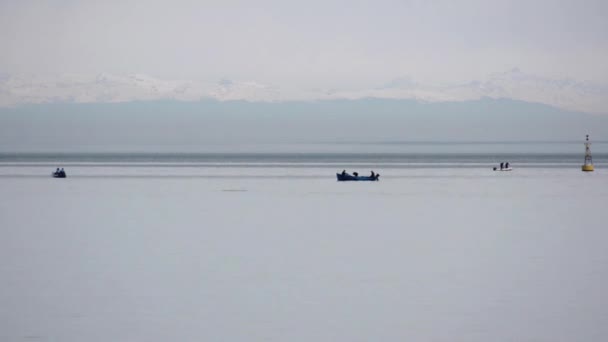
(393, 153)
(261, 243)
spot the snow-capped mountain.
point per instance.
(513, 84)
(250, 91)
(562, 93)
(18, 89)
(21, 89)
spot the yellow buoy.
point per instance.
(588, 165)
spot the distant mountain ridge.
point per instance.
(178, 125)
(514, 84)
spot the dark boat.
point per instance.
(60, 174)
(349, 177)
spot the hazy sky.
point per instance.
(307, 43)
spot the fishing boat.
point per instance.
(59, 174)
(348, 177)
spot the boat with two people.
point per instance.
(344, 176)
(59, 173)
(503, 167)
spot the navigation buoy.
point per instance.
(588, 165)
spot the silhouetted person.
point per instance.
(355, 174)
(343, 172)
(501, 165)
(373, 174)
(507, 165)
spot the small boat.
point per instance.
(503, 169)
(349, 177)
(60, 174)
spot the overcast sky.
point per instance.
(307, 43)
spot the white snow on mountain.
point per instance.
(227, 90)
(22, 89)
(514, 84)
(562, 93)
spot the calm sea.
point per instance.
(334, 155)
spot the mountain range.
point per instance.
(171, 125)
(567, 94)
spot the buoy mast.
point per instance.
(588, 165)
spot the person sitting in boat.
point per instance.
(355, 174)
(373, 174)
(501, 165)
(343, 172)
(506, 165)
(57, 172)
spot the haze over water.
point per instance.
(202, 142)
(393, 154)
(268, 246)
